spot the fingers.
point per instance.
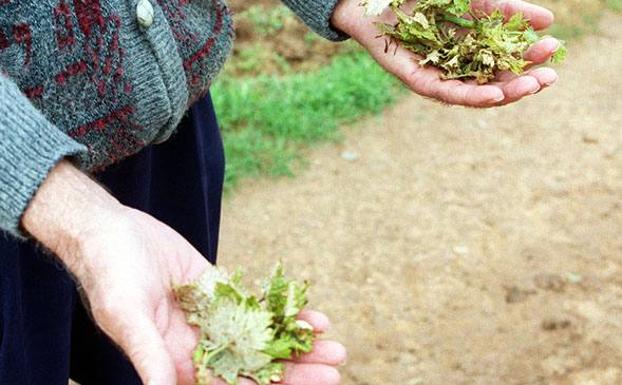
(546, 76)
(324, 352)
(426, 81)
(539, 17)
(469, 95)
(319, 321)
(315, 368)
(542, 50)
(181, 340)
(517, 87)
(520, 87)
(464, 94)
(299, 374)
(507, 89)
(311, 374)
(241, 381)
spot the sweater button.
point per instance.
(144, 13)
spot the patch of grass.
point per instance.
(254, 58)
(266, 120)
(614, 5)
(266, 21)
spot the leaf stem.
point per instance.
(464, 23)
(211, 354)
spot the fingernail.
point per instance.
(551, 82)
(498, 98)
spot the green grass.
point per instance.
(267, 20)
(582, 22)
(267, 120)
(615, 5)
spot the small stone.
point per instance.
(515, 294)
(350, 156)
(587, 139)
(574, 277)
(552, 282)
(555, 324)
(461, 250)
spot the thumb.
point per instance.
(145, 347)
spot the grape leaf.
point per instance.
(463, 43)
(560, 55)
(237, 337)
(241, 334)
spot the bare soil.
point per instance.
(456, 246)
(292, 48)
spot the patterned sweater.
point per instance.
(100, 79)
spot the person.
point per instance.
(100, 201)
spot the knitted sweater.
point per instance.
(98, 80)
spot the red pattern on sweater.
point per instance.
(208, 44)
(120, 115)
(87, 37)
(4, 42)
(63, 25)
(72, 70)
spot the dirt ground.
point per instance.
(292, 48)
(455, 246)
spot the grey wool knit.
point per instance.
(95, 81)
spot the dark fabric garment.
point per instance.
(45, 332)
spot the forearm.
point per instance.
(344, 16)
(65, 210)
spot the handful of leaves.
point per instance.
(463, 43)
(242, 334)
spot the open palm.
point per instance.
(127, 276)
(426, 81)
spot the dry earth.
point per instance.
(461, 246)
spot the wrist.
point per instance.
(347, 16)
(350, 17)
(68, 209)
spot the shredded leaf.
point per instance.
(461, 42)
(242, 334)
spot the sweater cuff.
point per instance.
(30, 146)
(316, 15)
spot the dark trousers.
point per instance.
(46, 335)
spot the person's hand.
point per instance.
(349, 17)
(317, 367)
(126, 262)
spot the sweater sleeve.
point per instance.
(316, 15)
(30, 146)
